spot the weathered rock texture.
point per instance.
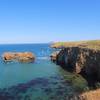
(18, 56)
(91, 95)
(82, 61)
(53, 56)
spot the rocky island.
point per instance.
(82, 58)
(18, 56)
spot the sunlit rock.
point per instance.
(18, 56)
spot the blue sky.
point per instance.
(39, 21)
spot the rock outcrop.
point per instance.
(18, 56)
(53, 56)
(91, 95)
(82, 58)
(83, 61)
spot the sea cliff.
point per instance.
(82, 61)
(82, 58)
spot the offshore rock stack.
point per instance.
(18, 56)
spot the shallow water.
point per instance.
(41, 80)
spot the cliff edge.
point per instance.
(80, 57)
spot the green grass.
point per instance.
(93, 44)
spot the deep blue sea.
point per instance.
(41, 80)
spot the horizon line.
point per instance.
(48, 42)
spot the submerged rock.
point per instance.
(18, 56)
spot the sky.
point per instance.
(43, 21)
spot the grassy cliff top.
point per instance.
(93, 44)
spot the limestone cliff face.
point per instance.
(81, 60)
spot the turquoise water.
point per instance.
(41, 80)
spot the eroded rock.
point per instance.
(90, 95)
(53, 56)
(18, 56)
(83, 61)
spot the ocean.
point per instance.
(40, 80)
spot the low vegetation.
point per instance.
(93, 44)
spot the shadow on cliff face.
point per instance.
(64, 60)
(91, 79)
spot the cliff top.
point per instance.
(93, 44)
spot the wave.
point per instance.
(43, 58)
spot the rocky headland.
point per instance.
(82, 58)
(18, 56)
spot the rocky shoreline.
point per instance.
(83, 59)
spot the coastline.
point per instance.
(71, 79)
(81, 58)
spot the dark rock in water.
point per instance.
(27, 97)
(59, 92)
(18, 98)
(48, 90)
(23, 86)
(16, 92)
(38, 81)
(6, 97)
(52, 98)
(55, 77)
(25, 91)
(54, 83)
